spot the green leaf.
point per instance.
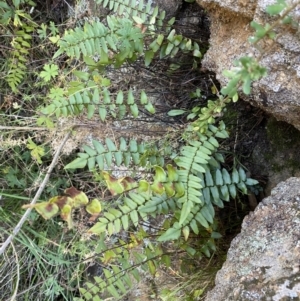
(98, 228)
(134, 217)
(218, 178)
(170, 234)
(91, 163)
(242, 174)
(199, 217)
(110, 145)
(112, 183)
(112, 290)
(226, 176)
(125, 222)
(50, 71)
(98, 146)
(96, 96)
(118, 158)
(169, 189)
(123, 145)
(197, 53)
(120, 97)
(82, 75)
(134, 110)
(251, 182)
(185, 211)
(108, 159)
(208, 179)
(242, 187)
(225, 192)
(160, 174)
(215, 235)
(133, 147)
(277, 8)
(235, 176)
(144, 99)
(143, 186)
(130, 98)
(91, 152)
(90, 111)
(205, 212)
(102, 113)
(149, 55)
(176, 112)
(150, 108)
(194, 226)
(232, 190)
(166, 260)
(77, 163)
(186, 232)
(247, 85)
(172, 173)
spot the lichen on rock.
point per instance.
(263, 261)
(278, 93)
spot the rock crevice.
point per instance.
(278, 93)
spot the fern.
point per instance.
(135, 10)
(192, 182)
(125, 39)
(21, 44)
(80, 99)
(121, 272)
(104, 155)
(23, 26)
(119, 41)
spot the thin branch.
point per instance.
(13, 298)
(23, 128)
(37, 195)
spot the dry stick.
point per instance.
(23, 128)
(13, 297)
(36, 197)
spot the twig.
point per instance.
(13, 298)
(37, 195)
(24, 128)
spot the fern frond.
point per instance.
(104, 155)
(91, 100)
(114, 281)
(128, 153)
(149, 199)
(21, 44)
(119, 41)
(205, 182)
(90, 94)
(139, 11)
(193, 161)
(121, 272)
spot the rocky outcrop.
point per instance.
(263, 262)
(278, 93)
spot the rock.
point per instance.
(171, 7)
(277, 93)
(263, 262)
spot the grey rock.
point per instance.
(263, 262)
(171, 7)
(278, 93)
